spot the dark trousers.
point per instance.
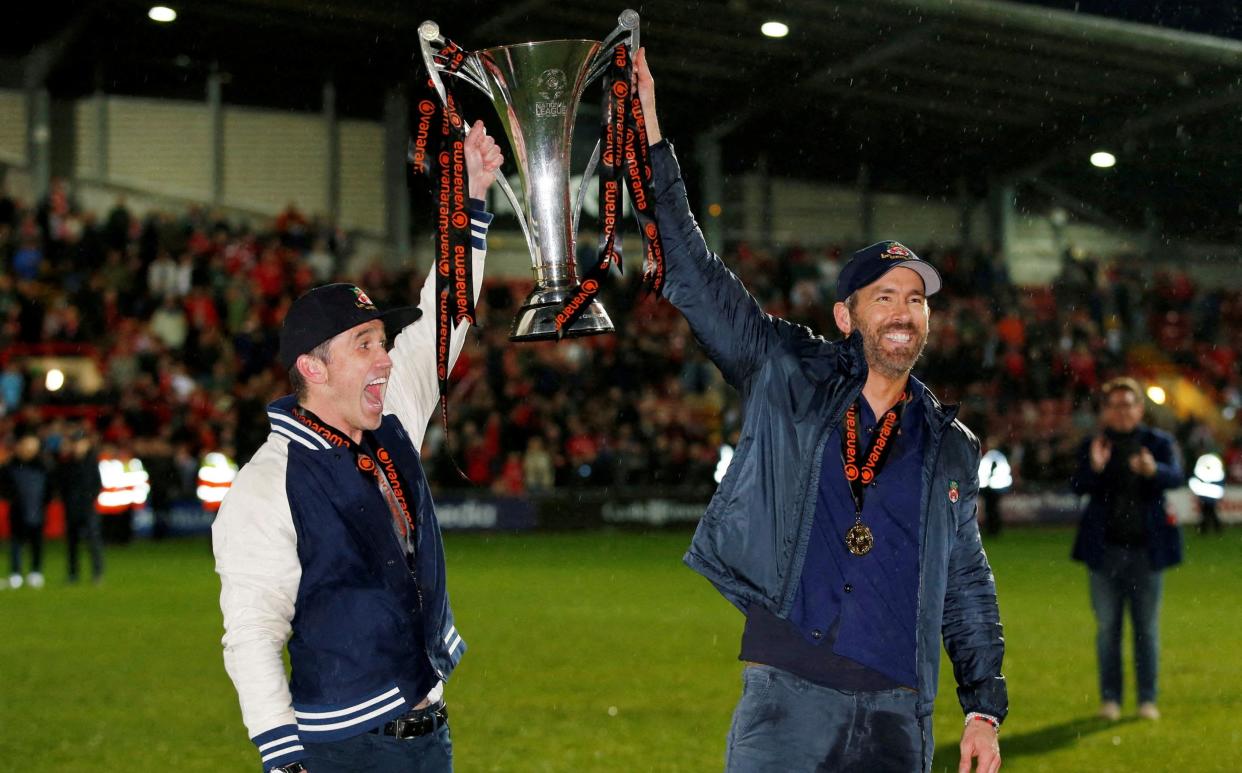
(374, 753)
(1209, 519)
(1125, 580)
(83, 521)
(25, 534)
(991, 512)
(785, 724)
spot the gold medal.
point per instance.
(859, 540)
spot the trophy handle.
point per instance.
(472, 73)
(627, 26)
(591, 168)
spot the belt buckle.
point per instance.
(415, 727)
(423, 722)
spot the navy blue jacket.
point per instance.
(795, 388)
(1164, 537)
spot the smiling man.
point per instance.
(845, 526)
(328, 538)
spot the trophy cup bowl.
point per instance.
(535, 89)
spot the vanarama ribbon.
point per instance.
(862, 467)
(624, 161)
(437, 151)
(378, 463)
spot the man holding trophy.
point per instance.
(845, 527)
(328, 538)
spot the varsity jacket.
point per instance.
(307, 555)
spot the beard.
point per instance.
(889, 363)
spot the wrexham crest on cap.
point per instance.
(896, 251)
(362, 300)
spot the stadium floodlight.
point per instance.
(1156, 394)
(1103, 159)
(162, 14)
(774, 29)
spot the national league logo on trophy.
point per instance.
(535, 89)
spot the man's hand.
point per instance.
(1143, 463)
(979, 740)
(483, 159)
(646, 95)
(1101, 450)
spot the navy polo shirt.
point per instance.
(853, 621)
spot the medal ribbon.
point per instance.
(381, 466)
(861, 476)
(625, 160)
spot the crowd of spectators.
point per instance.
(181, 313)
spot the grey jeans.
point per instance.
(785, 724)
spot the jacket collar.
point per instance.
(285, 424)
(939, 415)
(834, 360)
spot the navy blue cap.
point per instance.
(328, 310)
(871, 263)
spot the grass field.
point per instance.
(592, 652)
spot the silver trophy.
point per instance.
(535, 88)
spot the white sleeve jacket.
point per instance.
(307, 556)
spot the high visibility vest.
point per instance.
(215, 476)
(125, 485)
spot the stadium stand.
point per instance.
(179, 314)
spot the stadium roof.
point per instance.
(932, 96)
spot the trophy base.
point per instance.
(536, 320)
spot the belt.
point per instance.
(416, 722)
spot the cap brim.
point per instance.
(396, 320)
(929, 274)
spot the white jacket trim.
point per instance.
(349, 710)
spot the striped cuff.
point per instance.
(279, 746)
(480, 219)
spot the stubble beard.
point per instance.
(888, 364)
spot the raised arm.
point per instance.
(413, 389)
(726, 319)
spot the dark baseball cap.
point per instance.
(871, 263)
(329, 310)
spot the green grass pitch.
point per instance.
(592, 652)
